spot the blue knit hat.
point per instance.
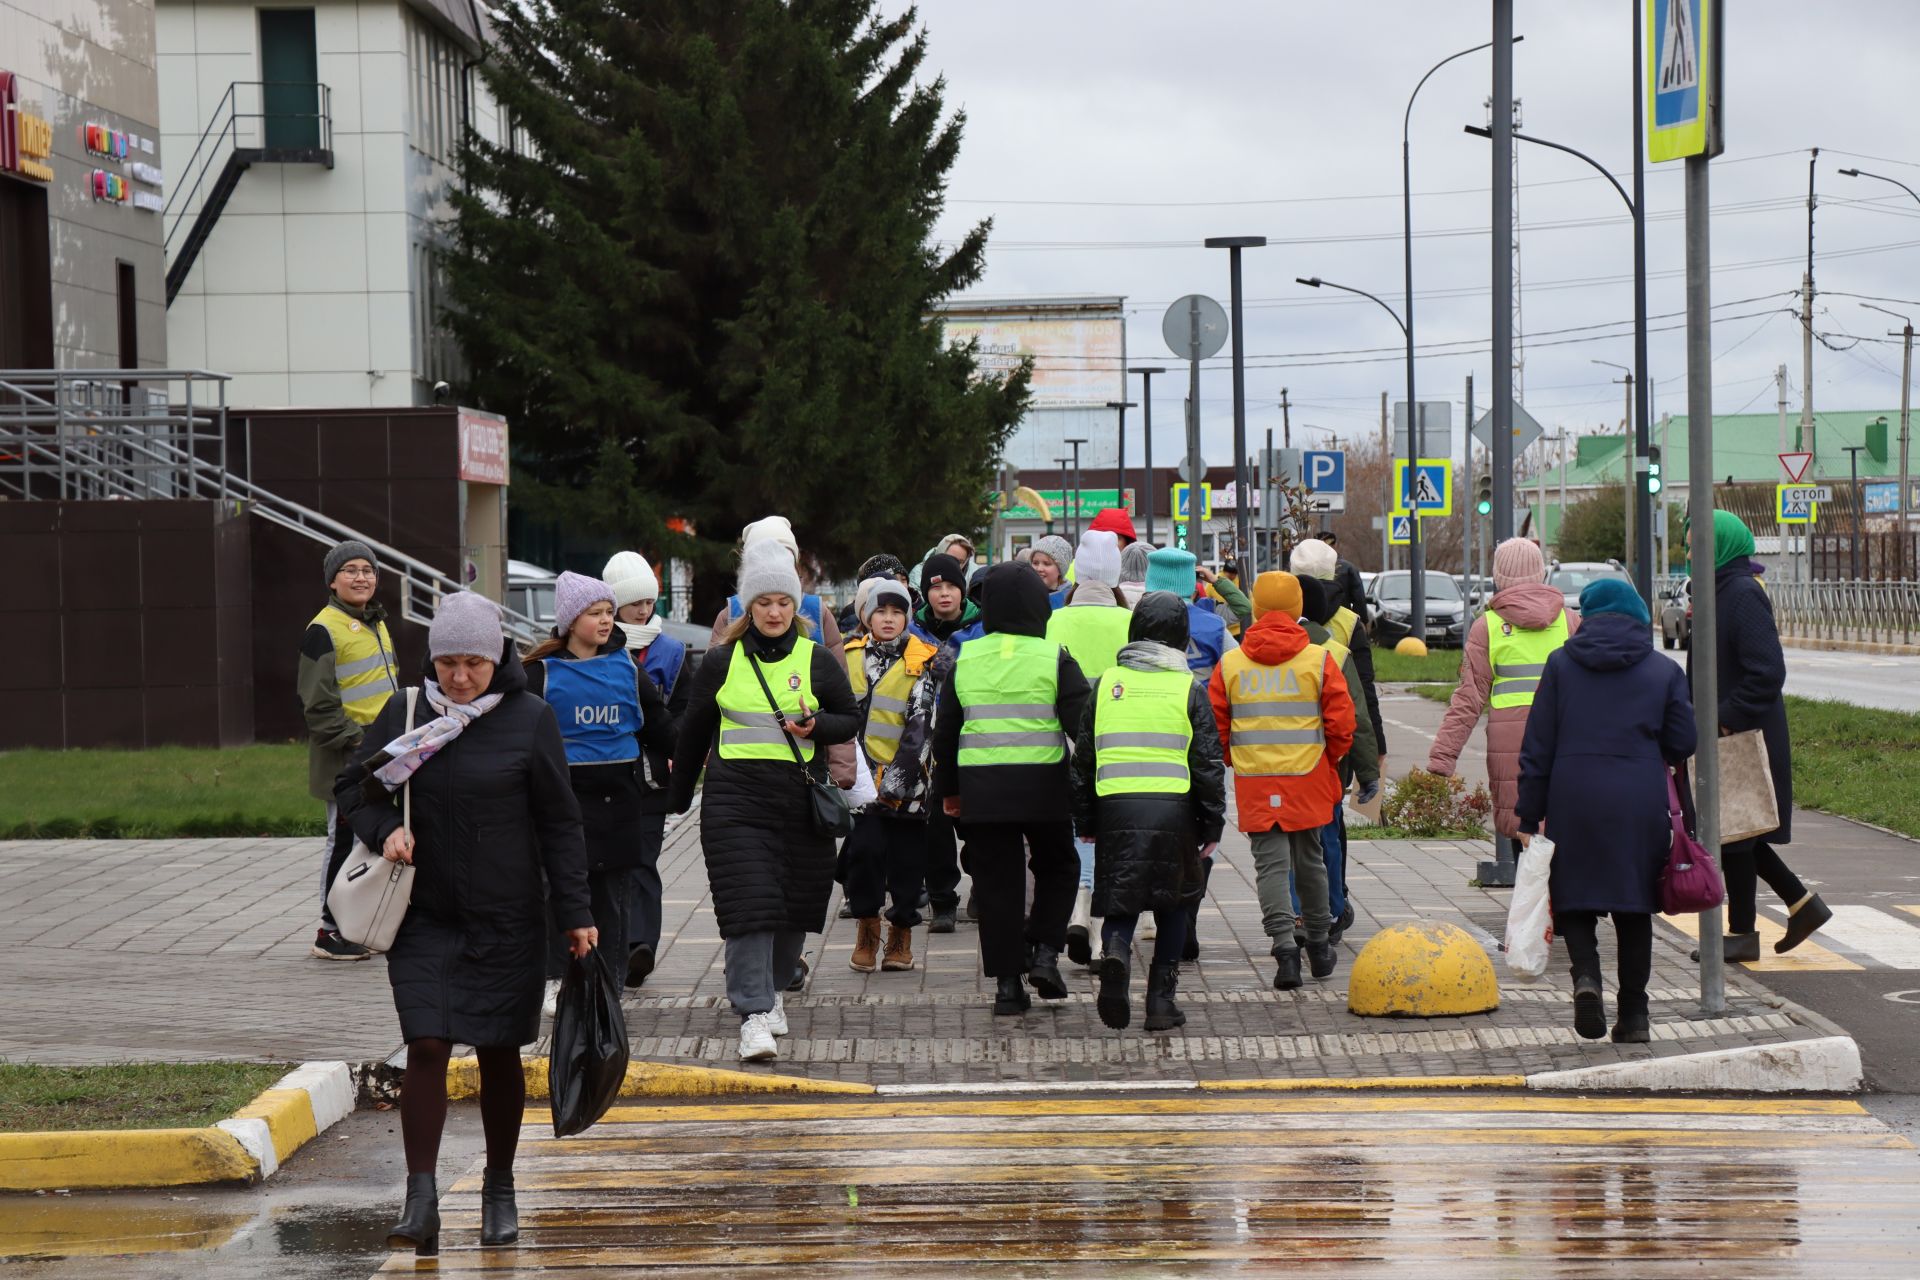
(1171, 569)
(1613, 595)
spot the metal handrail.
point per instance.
(225, 124)
(1879, 612)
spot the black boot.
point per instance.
(1589, 1009)
(1801, 924)
(1323, 957)
(1116, 971)
(1044, 973)
(1736, 947)
(639, 964)
(1286, 976)
(1629, 1029)
(1340, 926)
(1162, 1013)
(1010, 999)
(419, 1225)
(499, 1216)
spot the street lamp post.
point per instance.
(1639, 501)
(1066, 499)
(1315, 282)
(1853, 491)
(1242, 486)
(1416, 429)
(1073, 511)
(1120, 467)
(1146, 373)
(1633, 545)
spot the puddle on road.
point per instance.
(98, 1227)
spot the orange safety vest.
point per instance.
(1276, 730)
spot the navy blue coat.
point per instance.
(1753, 676)
(1609, 717)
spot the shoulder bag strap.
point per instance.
(779, 716)
(406, 791)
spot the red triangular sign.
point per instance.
(1796, 465)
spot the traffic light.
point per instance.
(1483, 495)
(1653, 469)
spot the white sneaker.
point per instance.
(756, 1039)
(777, 1020)
(551, 1005)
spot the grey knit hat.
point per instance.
(1058, 548)
(351, 549)
(1133, 561)
(766, 569)
(875, 592)
(573, 595)
(466, 623)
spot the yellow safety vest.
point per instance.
(1275, 728)
(748, 728)
(1008, 687)
(362, 662)
(1519, 658)
(1341, 625)
(1141, 732)
(887, 708)
(1093, 633)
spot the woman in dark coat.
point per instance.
(770, 872)
(1753, 674)
(1148, 844)
(492, 812)
(1609, 719)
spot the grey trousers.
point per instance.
(759, 967)
(1274, 854)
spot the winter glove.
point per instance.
(1368, 792)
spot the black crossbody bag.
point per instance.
(826, 804)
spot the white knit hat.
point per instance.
(772, 529)
(1314, 559)
(1098, 559)
(631, 578)
(767, 570)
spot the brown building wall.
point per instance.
(135, 626)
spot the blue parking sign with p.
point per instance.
(1324, 470)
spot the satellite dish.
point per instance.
(1195, 327)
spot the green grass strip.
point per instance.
(166, 791)
(1439, 664)
(139, 1095)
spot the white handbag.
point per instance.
(369, 897)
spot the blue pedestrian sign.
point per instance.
(1400, 529)
(1182, 499)
(1324, 470)
(1426, 488)
(1680, 67)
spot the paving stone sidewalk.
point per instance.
(197, 949)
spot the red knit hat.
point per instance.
(1116, 521)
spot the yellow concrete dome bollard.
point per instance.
(1411, 647)
(1422, 969)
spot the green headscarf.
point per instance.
(1731, 539)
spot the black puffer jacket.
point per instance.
(612, 796)
(1148, 846)
(492, 812)
(767, 868)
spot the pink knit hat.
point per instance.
(1515, 561)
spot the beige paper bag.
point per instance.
(1748, 805)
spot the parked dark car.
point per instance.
(1391, 600)
(1676, 615)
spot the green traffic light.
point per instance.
(1483, 507)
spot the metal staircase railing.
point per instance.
(112, 435)
(234, 140)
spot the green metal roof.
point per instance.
(1746, 447)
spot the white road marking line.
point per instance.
(1877, 935)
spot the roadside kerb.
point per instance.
(247, 1147)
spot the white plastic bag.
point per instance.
(1530, 914)
(863, 792)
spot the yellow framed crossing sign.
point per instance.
(1426, 488)
(1400, 529)
(1682, 52)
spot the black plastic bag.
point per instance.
(588, 1059)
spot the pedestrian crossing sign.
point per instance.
(1426, 488)
(1183, 498)
(1400, 529)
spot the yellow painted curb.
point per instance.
(1358, 1084)
(95, 1158)
(289, 1117)
(659, 1080)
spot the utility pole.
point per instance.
(1146, 373)
(1500, 426)
(1242, 478)
(1269, 514)
(1073, 510)
(1120, 487)
(1066, 500)
(1286, 423)
(1386, 507)
(1466, 541)
(1853, 490)
(1905, 333)
(1786, 534)
(1806, 329)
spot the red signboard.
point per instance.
(483, 448)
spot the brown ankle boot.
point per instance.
(899, 948)
(866, 946)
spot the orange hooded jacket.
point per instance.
(1306, 802)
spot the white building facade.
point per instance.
(333, 129)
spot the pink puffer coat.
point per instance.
(1529, 606)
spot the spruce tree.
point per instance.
(698, 284)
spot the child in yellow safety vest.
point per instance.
(896, 679)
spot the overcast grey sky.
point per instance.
(1106, 140)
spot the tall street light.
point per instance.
(1146, 402)
(1066, 499)
(1416, 430)
(1639, 501)
(1120, 486)
(1413, 522)
(1906, 379)
(1242, 482)
(1073, 511)
(1632, 545)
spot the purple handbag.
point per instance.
(1690, 881)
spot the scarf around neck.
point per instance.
(1151, 655)
(878, 657)
(396, 763)
(641, 635)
